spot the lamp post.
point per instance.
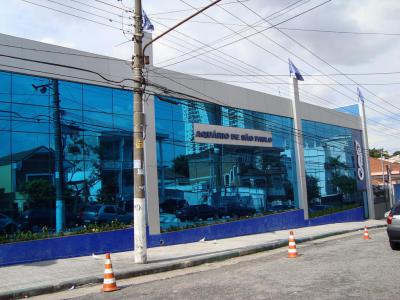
(58, 152)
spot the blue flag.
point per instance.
(360, 95)
(147, 25)
(295, 71)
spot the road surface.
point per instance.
(344, 267)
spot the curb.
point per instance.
(62, 286)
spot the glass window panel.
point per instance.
(31, 90)
(97, 99)
(70, 95)
(27, 118)
(122, 102)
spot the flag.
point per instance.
(295, 71)
(147, 25)
(360, 95)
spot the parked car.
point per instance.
(196, 212)
(172, 205)
(235, 210)
(7, 225)
(35, 219)
(393, 228)
(101, 213)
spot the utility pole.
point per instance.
(383, 170)
(58, 155)
(390, 186)
(139, 194)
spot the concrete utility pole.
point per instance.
(390, 186)
(139, 201)
(139, 194)
(58, 155)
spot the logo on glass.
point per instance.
(360, 161)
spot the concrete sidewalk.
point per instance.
(55, 275)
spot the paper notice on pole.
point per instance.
(139, 144)
(137, 164)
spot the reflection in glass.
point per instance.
(330, 169)
(96, 127)
(205, 183)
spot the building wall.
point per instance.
(93, 113)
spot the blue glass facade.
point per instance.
(197, 182)
(330, 165)
(96, 126)
(201, 182)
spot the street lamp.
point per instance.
(58, 152)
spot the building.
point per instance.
(206, 142)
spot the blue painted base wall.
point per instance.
(122, 240)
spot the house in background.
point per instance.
(20, 167)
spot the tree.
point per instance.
(335, 164)
(376, 153)
(313, 191)
(40, 193)
(396, 153)
(347, 185)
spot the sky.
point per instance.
(235, 42)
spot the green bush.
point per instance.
(45, 233)
(333, 210)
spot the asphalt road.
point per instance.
(337, 268)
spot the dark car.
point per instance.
(197, 212)
(393, 228)
(172, 205)
(99, 213)
(35, 219)
(235, 210)
(7, 225)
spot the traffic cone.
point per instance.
(292, 251)
(109, 283)
(366, 234)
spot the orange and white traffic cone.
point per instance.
(366, 234)
(109, 283)
(292, 251)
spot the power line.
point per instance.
(68, 67)
(286, 28)
(253, 34)
(64, 53)
(286, 75)
(218, 101)
(72, 15)
(84, 11)
(272, 16)
(339, 32)
(185, 10)
(294, 40)
(111, 5)
(97, 8)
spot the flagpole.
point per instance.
(370, 195)
(299, 149)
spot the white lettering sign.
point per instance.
(214, 134)
(360, 161)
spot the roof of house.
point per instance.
(23, 155)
